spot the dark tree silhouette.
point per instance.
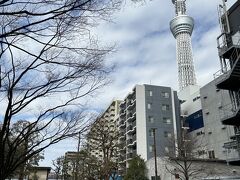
(102, 141)
(137, 169)
(180, 160)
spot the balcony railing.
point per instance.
(129, 141)
(123, 104)
(122, 113)
(121, 121)
(122, 125)
(134, 137)
(134, 123)
(122, 135)
(229, 110)
(129, 156)
(232, 156)
(131, 104)
(131, 117)
(227, 66)
(129, 128)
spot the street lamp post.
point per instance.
(155, 151)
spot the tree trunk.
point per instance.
(21, 173)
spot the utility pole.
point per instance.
(78, 156)
(155, 151)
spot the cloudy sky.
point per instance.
(146, 51)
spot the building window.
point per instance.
(167, 134)
(199, 133)
(151, 148)
(150, 119)
(150, 93)
(149, 105)
(165, 107)
(201, 152)
(151, 134)
(165, 94)
(211, 154)
(196, 98)
(167, 120)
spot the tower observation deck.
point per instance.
(181, 27)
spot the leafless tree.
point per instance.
(18, 127)
(49, 61)
(102, 141)
(81, 165)
(181, 159)
(58, 165)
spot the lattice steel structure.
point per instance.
(182, 27)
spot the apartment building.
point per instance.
(105, 125)
(143, 109)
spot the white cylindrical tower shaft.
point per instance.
(182, 27)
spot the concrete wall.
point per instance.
(40, 174)
(141, 122)
(206, 169)
(216, 134)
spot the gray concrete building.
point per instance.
(145, 108)
(215, 126)
(216, 134)
(228, 77)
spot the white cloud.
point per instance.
(146, 49)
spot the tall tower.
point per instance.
(182, 27)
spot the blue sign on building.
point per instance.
(195, 121)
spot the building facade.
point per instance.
(145, 108)
(228, 77)
(200, 169)
(105, 125)
(213, 100)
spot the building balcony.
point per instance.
(134, 123)
(121, 121)
(131, 142)
(230, 115)
(122, 136)
(130, 127)
(229, 76)
(232, 157)
(230, 145)
(227, 44)
(122, 149)
(228, 79)
(134, 138)
(131, 116)
(122, 113)
(123, 105)
(130, 156)
(122, 125)
(131, 104)
(112, 114)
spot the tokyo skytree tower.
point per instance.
(182, 27)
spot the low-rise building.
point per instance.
(198, 169)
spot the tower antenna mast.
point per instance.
(181, 27)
